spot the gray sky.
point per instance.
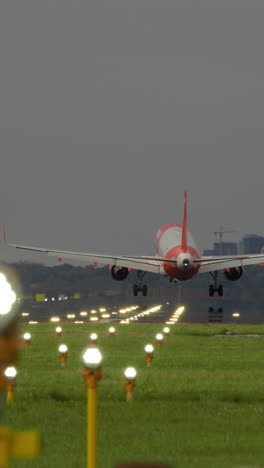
(109, 110)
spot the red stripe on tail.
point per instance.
(184, 224)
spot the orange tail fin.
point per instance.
(184, 224)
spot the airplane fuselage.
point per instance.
(169, 245)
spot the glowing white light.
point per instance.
(10, 372)
(54, 319)
(111, 330)
(130, 373)
(93, 336)
(63, 349)
(7, 296)
(83, 313)
(166, 330)
(27, 336)
(25, 314)
(149, 349)
(93, 319)
(105, 315)
(159, 337)
(58, 329)
(92, 358)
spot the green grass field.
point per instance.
(200, 404)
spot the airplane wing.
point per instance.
(137, 263)
(146, 263)
(221, 263)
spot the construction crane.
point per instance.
(220, 232)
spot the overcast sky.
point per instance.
(109, 110)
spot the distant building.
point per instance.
(226, 248)
(251, 244)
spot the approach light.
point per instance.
(27, 339)
(58, 331)
(93, 338)
(159, 340)
(63, 354)
(92, 373)
(10, 375)
(130, 382)
(92, 358)
(166, 331)
(149, 350)
(111, 331)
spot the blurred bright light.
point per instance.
(63, 349)
(7, 296)
(111, 330)
(92, 358)
(70, 316)
(54, 319)
(58, 329)
(27, 336)
(166, 330)
(149, 349)
(10, 372)
(159, 337)
(130, 373)
(93, 319)
(93, 336)
(25, 314)
(83, 313)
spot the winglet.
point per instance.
(184, 224)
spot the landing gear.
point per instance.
(215, 287)
(139, 287)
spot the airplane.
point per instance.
(177, 257)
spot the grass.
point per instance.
(200, 404)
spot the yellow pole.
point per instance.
(9, 397)
(4, 447)
(91, 429)
(91, 377)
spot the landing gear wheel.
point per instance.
(135, 290)
(211, 289)
(144, 290)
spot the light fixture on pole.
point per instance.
(159, 340)
(92, 373)
(93, 338)
(58, 331)
(63, 354)
(149, 350)
(27, 339)
(10, 375)
(130, 382)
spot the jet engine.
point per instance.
(118, 273)
(233, 274)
